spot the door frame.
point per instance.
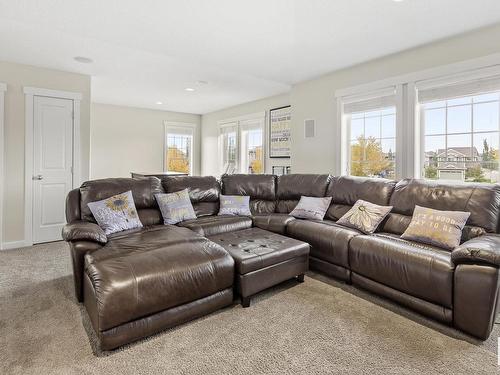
(3, 89)
(30, 93)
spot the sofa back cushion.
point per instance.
(143, 191)
(347, 190)
(260, 187)
(481, 200)
(204, 192)
(291, 187)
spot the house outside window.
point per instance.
(461, 138)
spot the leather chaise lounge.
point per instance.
(138, 282)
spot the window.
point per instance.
(370, 126)
(241, 145)
(229, 148)
(178, 149)
(252, 147)
(461, 132)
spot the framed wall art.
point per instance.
(279, 132)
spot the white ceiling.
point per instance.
(146, 51)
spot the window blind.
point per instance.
(451, 91)
(180, 130)
(371, 102)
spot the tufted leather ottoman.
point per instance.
(263, 259)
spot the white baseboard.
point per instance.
(14, 245)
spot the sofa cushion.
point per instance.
(291, 187)
(211, 225)
(329, 241)
(423, 271)
(152, 270)
(347, 190)
(260, 188)
(273, 222)
(481, 200)
(204, 192)
(143, 190)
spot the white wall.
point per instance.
(126, 139)
(314, 99)
(210, 131)
(17, 76)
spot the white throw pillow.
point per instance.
(311, 208)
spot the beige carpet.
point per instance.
(317, 327)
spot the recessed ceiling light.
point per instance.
(398, 1)
(159, 103)
(189, 89)
(200, 82)
(83, 59)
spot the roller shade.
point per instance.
(179, 130)
(469, 88)
(371, 102)
(229, 128)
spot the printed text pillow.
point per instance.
(175, 207)
(438, 228)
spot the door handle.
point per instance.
(38, 177)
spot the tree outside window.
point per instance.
(373, 143)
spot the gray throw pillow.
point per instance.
(175, 207)
(236, 205)
(116, 214)
(311, 208)
(364, 216)
(438, 228)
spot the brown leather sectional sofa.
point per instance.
(138, 282)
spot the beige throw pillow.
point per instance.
(364, 216)
(438, 228)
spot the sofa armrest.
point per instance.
(84, 231)
(484, 250)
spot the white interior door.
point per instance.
(52, 165)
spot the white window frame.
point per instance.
(3, 89)
(344, 121)
(221, 151)
(409, 142)
(482, 73)
(170, 127)
(239, 122)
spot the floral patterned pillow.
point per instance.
(116, 213)
(364, 216)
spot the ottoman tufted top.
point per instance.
(254, 248)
